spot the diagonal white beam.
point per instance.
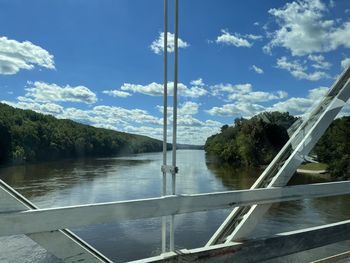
(246, 226)
(286, 161)
(62, 243)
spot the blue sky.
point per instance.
(100, 62)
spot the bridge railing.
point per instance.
(17, 221)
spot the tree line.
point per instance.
(27, 136)
(256, 141)
(334, 148)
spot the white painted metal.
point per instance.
(44, 220)
(262, 249)
(165, 117)
(173, 174)
(283, 166)
(335, 258)
(61, 243)
(282, 177)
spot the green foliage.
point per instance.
(29, 136)
(334, 148)
(251, 142)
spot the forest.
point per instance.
(251, 142)
(27, 136)
(334, 148)
(255, 142)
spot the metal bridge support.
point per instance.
(62, 243)
(173, 168)
(243, 220)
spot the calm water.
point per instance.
(73, 182)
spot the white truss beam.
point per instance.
(62, 243)
(243, 220)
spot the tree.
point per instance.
(251, 142)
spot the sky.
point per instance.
(101, 62)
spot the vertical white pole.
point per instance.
(165, 113)
(172, 228)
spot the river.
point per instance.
(72, 182)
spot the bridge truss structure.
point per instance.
(49, 227)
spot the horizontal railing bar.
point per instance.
(261, 249)
(41, 220)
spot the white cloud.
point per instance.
(44, 92)
(198, 82)
(127, 115)
(298, 105)
(298, 70)
(15, 56)
(219, 89)
(319, 62)
(257, 96)
(186, 108)
(29, 104)
(116, 93)
(157, 45)
(304, 30)
(238, 109)
(234, 40)
(253, 37)
(345, 63)
(257, 69)
(245, 93)
(156, 89)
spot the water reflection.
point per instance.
(234, 177)
(72, 182)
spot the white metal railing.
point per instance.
(15, 219)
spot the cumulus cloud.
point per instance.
(186, 108)
(15, 55)
(45, 92)
(233, 40)
(304, 30)
(258, 96)
(157, 45)
(157, 89)
(345, 63)
(245, 93)
(299, 105)
(29, 104)
(197, 82)
(238, 109)
(127, 115)
(257, 69)
(117, 93)
(319, 62)
(220, 89)
(298, 70)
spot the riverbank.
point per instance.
(317, 170)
